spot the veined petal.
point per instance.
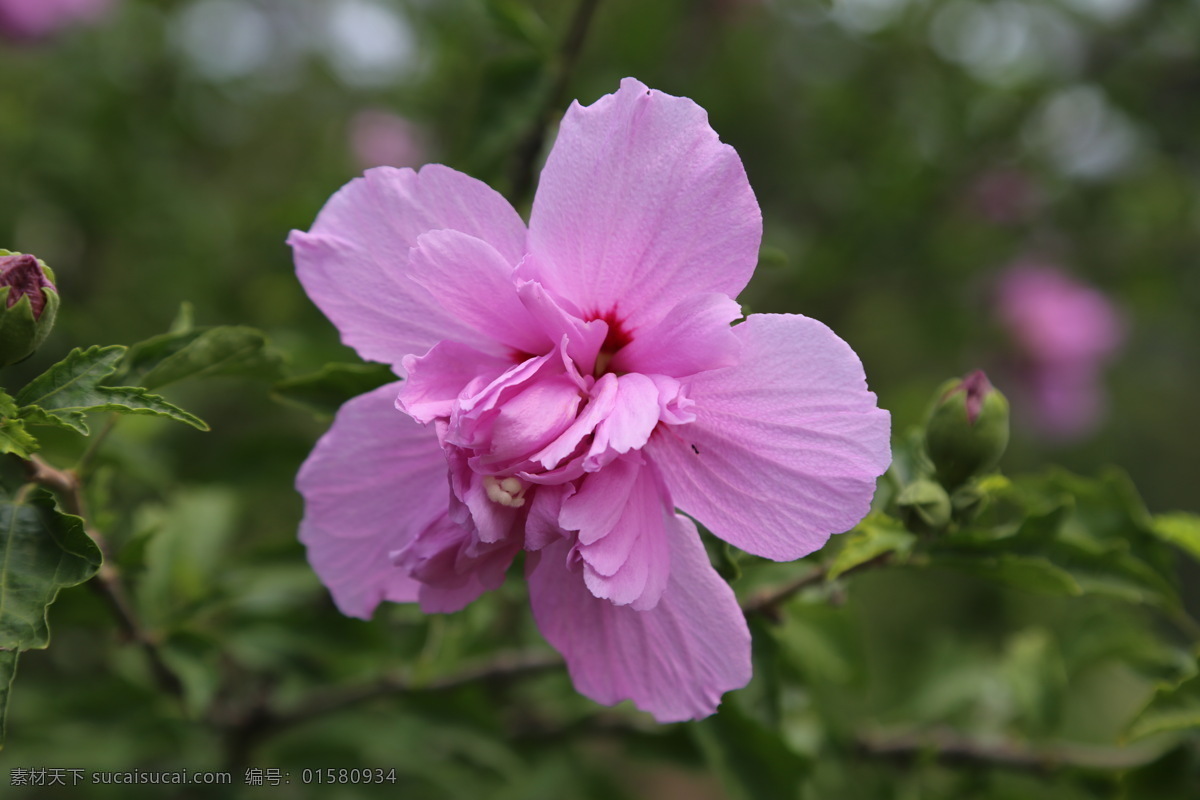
(674, 661)
(358, 572)
(471, 281)
(354, 261)
(693, 337)
(639, 205)
(373, 481)
(786, 445)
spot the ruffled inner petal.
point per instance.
(436, 380)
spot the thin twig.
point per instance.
(259, 721)
(950, 747)
(108, 583)
(767, 601)
(504, 667)
(531, 144)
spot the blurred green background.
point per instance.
(904, 152)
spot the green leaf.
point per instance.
(875, 536)
(8, 671)
(1095, 530)
(909, 461)
(725, 561)
(79, 372)
(183, 321)
(762, 698)
(195, 660)
(41, 551)
(1180, 529)
(185, 551)
(1110, 569)
(64, 393)
(13, 436)
(1173, 708)
(200, 353)
(752, 760)
(323, 392)
(1031, 573)
(1036, 677)
(822, 643)
(520, 22)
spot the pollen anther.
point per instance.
(508, 491)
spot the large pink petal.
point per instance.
(373, 481)
(786, 446)
(693, 337)
(471, 281)
(354, 261)
(674, 661)
(640, 205)
(358, 572)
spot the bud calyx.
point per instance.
(967, 430)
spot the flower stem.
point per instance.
(109, 584)
(767, 601)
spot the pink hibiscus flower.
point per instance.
(1066, 332)
(380, 138)
(36, 19)
(568, 386)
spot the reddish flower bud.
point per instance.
(25, 278)
(28, 305)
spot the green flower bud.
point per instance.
(967, 429)
(28, 305)
(924, 507)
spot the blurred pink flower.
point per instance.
(567, 386)
(37, 19)
(382, 139)
(1065, 331)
